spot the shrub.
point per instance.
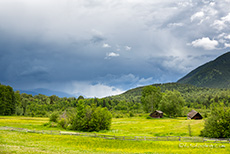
(54, 116)
(218, 123)
(148, 117)
(131, 114)
(62, 123)
(86, 118)
(50, 124)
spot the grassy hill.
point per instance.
(214, 74)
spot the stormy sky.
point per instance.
(98, 48)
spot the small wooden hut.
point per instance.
(194, 115)
(156, 114)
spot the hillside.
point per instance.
(214, 74)
(184, 89)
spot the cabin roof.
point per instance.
(158, 111)
(192, 113)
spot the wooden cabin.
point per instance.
(156, 114)
(194, 115)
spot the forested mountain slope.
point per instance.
(214, 74)
(194, 96)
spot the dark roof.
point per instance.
(192, 114)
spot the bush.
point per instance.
(62, 123)
(148, 117)
(54, 116)
(218, 123)
(119, 116)
(131, 114)
(86, 118)
(50, 124)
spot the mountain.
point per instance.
(45, 92)
(214, 74)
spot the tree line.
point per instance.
(94, 114)
(165, 97)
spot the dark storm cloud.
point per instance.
(99, 48)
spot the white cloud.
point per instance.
(105, 45)
(219, 25)
(205, 43)
(221, 41)
(185, 3)
(212, 3)
(227, 37)
(222, 23)
(197, 15)
(227, 45)
(226, 18)
(175, 24)
(128, 48)
(112, 54)
(221, 35)
(97, 90)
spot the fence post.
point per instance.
(145, 138)
(123, 138)
(179, 138)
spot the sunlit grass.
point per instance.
(135, 126)
(156, 127)
(19, 142)
(16, 142)
(26, 122)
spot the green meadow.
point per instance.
(21, 142)
(135, 126)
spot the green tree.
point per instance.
(79, 119)
(7, 100)
(100, 119)
(218, 123)
(172, 103)
(24, 105)
(80, 97)
(151, 97)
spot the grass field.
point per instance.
(135, 126)
(19, 142)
